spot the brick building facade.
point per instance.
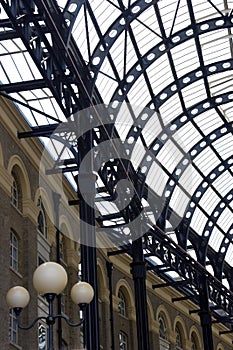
(28, 237)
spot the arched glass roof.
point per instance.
(164, 70)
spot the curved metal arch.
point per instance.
(178, 122)
(217, 262)
(204, 184)
(153, 54)
(209, 226)
(157, 145)
(202, 187)
(70, 16)
(183, 82)
(201, 249)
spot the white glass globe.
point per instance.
(82, 293)
(17, 297)
(50, 277)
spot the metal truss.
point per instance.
(46, 34)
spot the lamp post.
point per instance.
(49, 279)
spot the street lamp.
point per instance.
(49, 279)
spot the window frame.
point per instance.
(13, 329)
(42, 226)
(194, 342)
(123, 341)
(179, 340)
(122, 304)
(15, 194)
(14, 251)
(45, 327)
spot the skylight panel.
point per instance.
(187, 136)
(3, 49)
(224, 146)
(137, 154)
(160, 74)
(208, 121)
(209, 200)
(223, 182)
(24, 67)
(182, 19)
(185, 56)
(194, 93)
(31, 66)
(199, 220)
(224, 220)
(216, 239)
(13, 74)
(215, 46)
(10, 46)
(170, 155)
(171, 109)
(204, 10)
(80, 35)
(229, 254)
(106, 85)
(140, 31)
(103, 10)
(179, 201)
(206, 166)
(221, 82)
(139, 94)
(190, 179)
(157, 182)
(152, 129)
(149, 26)
(168, 11)
(123, 54)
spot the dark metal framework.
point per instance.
(191, 108)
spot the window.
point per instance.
(13, 251)
(16, 192)
(42, 337)
(41, 219)
(123, 341)
(194, 343)
(163, 336)
(13, 329)
(121, 304)
(62, 300)
(162, 328)
(81, 334)
(62, 247)
(179, 344)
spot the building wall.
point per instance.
(23, 157)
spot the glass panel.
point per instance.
(42, 337)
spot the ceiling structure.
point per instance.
(156, 76)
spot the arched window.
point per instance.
(179, 344)
(163, 334)
(16, 191)
(14, 250)
(194, 342)
(123, 341)
(15, 194)
(122, 304)
(41, 220)
(162, 328)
